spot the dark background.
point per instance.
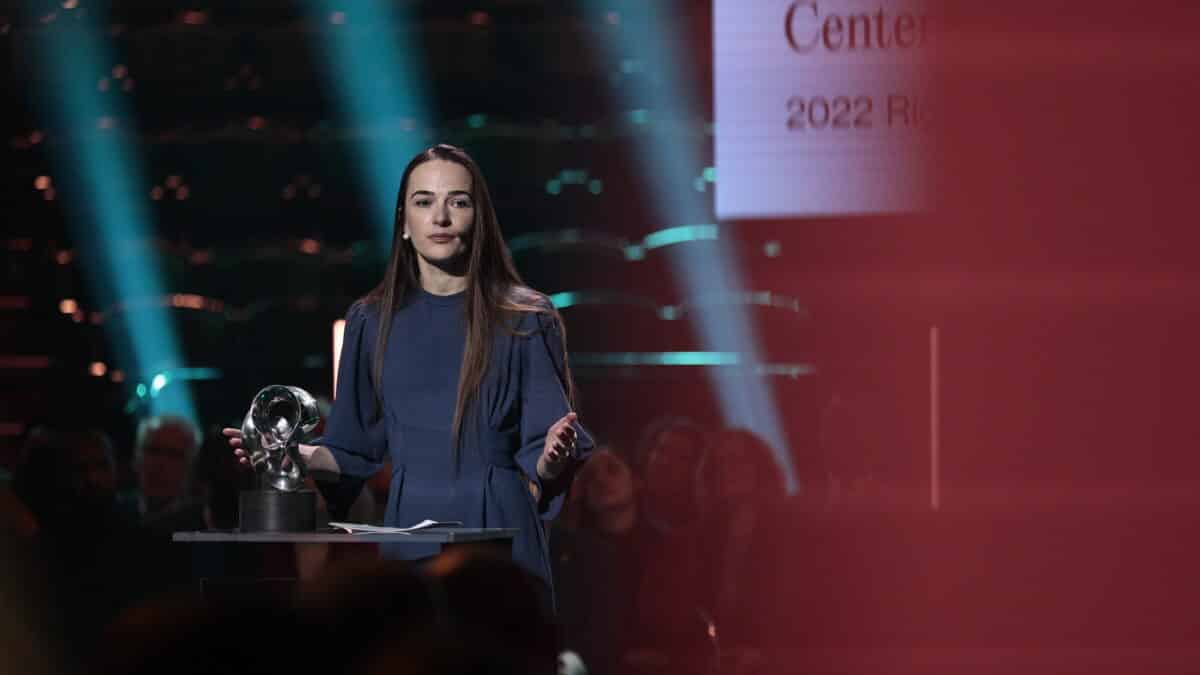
(1058, 264)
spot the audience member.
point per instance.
(598, 563)
(499, 610)
(68, 479)
(88, 551)
(666, 461)
(467, 612)
(673, 619)
(631, 556)
(183, 635)
(743, 491)
(165, 447)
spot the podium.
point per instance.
(259, 567)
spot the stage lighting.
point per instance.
(375, 76)
(659, 92)
(106, 205)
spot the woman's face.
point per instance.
(439, 211)
(670, 476)
(165, 460)
(672, 462)
(611, 484)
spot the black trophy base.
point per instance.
(277, 511)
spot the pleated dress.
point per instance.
(521, 396)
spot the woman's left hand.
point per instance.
(559, 448)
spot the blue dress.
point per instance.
(521, 396)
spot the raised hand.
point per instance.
(235, 441)
(559, 448)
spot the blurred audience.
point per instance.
(163, 453)
(364, 608)
(667, 460)
(68, 480)
(184, 635)
(671, 570)
(744, 494)
(87, 548)
(598, 563)
(671, 592)
(661, 567)
(602, 499)
(468, 612)
(498, 609)
(632, 556)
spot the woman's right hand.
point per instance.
(239, 448)
(235, 441)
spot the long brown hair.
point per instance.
(496, 295)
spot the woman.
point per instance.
(745, 518)
(456, 371)
(599, 553)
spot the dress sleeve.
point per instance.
(355, 434)
(544, 402)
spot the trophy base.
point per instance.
(277, 511)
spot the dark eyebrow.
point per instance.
(430, 194)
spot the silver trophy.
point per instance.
(279, 420)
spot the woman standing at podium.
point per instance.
(456, 371)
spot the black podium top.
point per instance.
(432, 535)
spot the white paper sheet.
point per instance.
(361, 528)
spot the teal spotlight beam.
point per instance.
(106, 200)
(373, 70)
(640, 36)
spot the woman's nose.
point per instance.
(441, 215)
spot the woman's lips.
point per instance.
(442, 238)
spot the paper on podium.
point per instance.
(360, 528)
